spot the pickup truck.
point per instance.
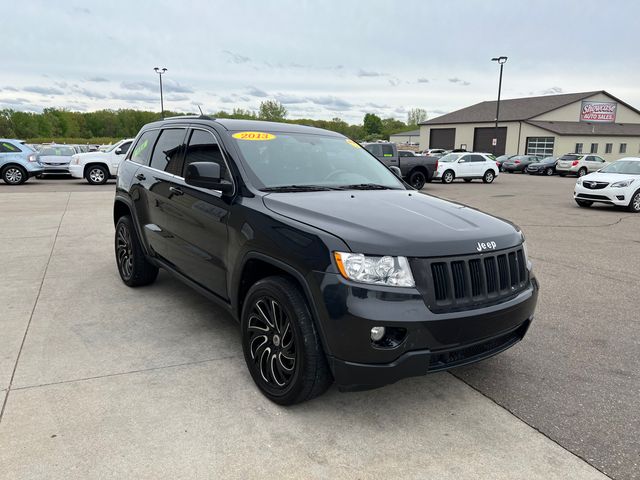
(415, 169)
(98, 167)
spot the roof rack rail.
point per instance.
(182, 117)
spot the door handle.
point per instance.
(141, 176)
(176, 191)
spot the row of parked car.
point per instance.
(20, 161)
(578, 164)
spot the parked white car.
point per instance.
(467, 166)
(98, 167)
(616, 184)
(579, 164)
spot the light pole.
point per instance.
(160, 72)
(501, 61)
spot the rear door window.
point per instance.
(169, 151)
(6, 147)
(387, 150)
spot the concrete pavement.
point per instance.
(112, 382)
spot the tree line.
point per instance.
(102, 126)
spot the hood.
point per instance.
(395, 222)
(610, 177)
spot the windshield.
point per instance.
(57, 151)
(452, 157)
(628, 167)
(303, 160)
(113, 147)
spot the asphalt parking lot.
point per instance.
(101, 381)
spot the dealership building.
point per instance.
(588, 122)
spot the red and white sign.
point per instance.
(598, 112)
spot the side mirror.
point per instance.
(119, 151)
(396, 171)
(207, 175)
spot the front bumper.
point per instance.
(611, 196)
(76, 171)
(55, 169)
(432, 342)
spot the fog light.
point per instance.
(377, 333)
(620, 197)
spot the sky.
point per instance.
(321, 59)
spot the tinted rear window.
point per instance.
(571, 157)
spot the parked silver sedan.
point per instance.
(56, 158)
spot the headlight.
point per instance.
(622, 184)
(392, 271)
(526, 255)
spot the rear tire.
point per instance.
(582, 172)
(448, 176)
(584, 203)
(14, 175)
(488, 176)
(634, 204)
(96, 174)
(134, 268)
(417, 179)
(281, 346)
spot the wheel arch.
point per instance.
(254, 267)
(13, 164)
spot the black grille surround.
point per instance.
(451, 284)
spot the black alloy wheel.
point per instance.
(272, 345)
(417, 180)
(281, 347)
(135, 270)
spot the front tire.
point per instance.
(135, 270)
(417, 179)
(14, 175)
(584, 203)
(448, 176)
(97, 175)
(280, 343)
(548, 172)
(634, 204)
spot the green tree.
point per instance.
(372, 124)
(272, 110)
(416, 116)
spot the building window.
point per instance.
(608, 148)
(594, 148)
(578, 148)
(623, 148)
(542, 146)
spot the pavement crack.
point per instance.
(580, 226)
(33, 309)
(529, 424)
(129, 372)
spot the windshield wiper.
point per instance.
(297, 188)
(365, 186)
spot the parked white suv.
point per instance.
(616, 184)
(98, 167)
(467, 166)
(579, 164)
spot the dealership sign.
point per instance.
(598, 112)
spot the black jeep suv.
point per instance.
(335, 268)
